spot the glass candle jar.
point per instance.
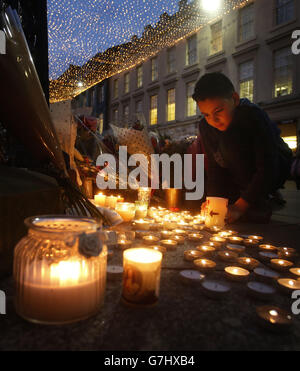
(126, 210)
(60, 269)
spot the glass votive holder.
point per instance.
(144, 194)
(141, 209)
(126, 210)
(141, 279)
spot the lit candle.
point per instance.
(126, 210)
(265, 247)
(227, 256)
(111, 202)
(260, 290)
(274, 318)
(124, 244)
(195, 237)
(205, 265)
(280, 264)
(120, 198)
(206, 250)
(287, 253)
(152, 212)
(215, 229)
(249, 242)
(237, 273)
(141, 279)
(198, 226)
(218, 239)
(288, 285)
(191, 255)
(180, 232)
(162, 249)
(166, 234)
(141, 209)
(141, 224)
(235, 240)
(150, 239)
(169, 244)
(100, 199)
(216, 245)
(256, 238)
(144, 194)
(215, 289)
(236, 248)
(248, 263)
(141, 233)
(295, 271)
(178, 239)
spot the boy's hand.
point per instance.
(236, 210)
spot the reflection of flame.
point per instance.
(68, 272)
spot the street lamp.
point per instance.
(211, 5)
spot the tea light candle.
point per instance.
(216, 245)
(178, 239)
(215, 229)
(287, 253)
(249, 242)
(235, 240)
(280, 264)
(260, 290)
(256, 238)
(162, 249)
(267, 247)
(114, 272)
(141, 209)
(205, 265)
(218, 239)
(180, 232)
(124, 244)
(274, 318)
(206, 250)
(237, 273)
(111, 202)
(150, 239)
(248, 263)
(191, 255)
(141, 224)
(195, 237)
(155, 226)
(295, 271)
(198, 227)
(100, 199)
(265, 274)
(141, 233)
(126, 210)
(166, 234)
(169, 244)
(215, 289)
(191, 276)
(236, 248)
(120, 198)
(266, 256)
(288, 285)
(227, 256)
(141, 279)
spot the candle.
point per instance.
(248, 263)
(124, 244)
(120, 198)
(144, 194)
(141, 280)
(237, 273)
(206, 250)
(126, 235)
(169, 244)
(150, 239)
(114, 272)
(141, 209)
(280, 264)
(178, 239)
(216, 210)
(274, 318)
(216, 245)
(235, 240)
(152, 212)
(249, 242)
(236, 248)
(100, 199)
(228, 256)
(265, 274)
(215, 289)
(218, 239)
(191, 255)
(126, 210)
(155, 226)
(141, 224)
(195, 237)
(295, 271)
(256, 238)
(267, 247)
(191, 276)
(180, 232)
(266, 256)
(205, 265)
(260, 290)
(111, 202)
(162, 249)
(287, 253)
(288, 285)
(215, 229)
(198, 226)
(141, 233)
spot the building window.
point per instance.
(153, 110)
(191, 105)
(126, 83)
(171, 60)
(284, 11)
(139, 76)
(171, 105)
(115, 115)
(126, 113)
(116, 89)
(283, 72)
(246, 23)
(101, 123)
(101, 94)
(191, 50)
(247, 80)
(139, 107)
(154, 69)
(216, 44)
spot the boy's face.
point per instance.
(218, 112)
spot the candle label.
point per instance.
(140, 287)
(90, 244)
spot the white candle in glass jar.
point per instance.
(111, 202)
(100, 199)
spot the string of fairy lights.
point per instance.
(92, 40)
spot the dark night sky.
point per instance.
(78, 29)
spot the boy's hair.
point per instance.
(213, 85)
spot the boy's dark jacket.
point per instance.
(257, 138)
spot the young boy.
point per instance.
(247, 159)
